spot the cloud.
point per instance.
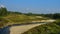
(2, 6)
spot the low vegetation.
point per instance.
(10, 17)
(51, 28)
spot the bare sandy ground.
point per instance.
(23, 28)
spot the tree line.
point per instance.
(4, 11)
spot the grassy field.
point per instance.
(18, 19)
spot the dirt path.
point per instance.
(23, 28)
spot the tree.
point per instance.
(29, 13)
(56, 16)
(3, 11)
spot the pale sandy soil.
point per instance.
(23, 28)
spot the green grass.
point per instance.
(17, 19)
(52, 28)
(3, 22)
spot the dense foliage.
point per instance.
(53, 16)
(3, 11)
